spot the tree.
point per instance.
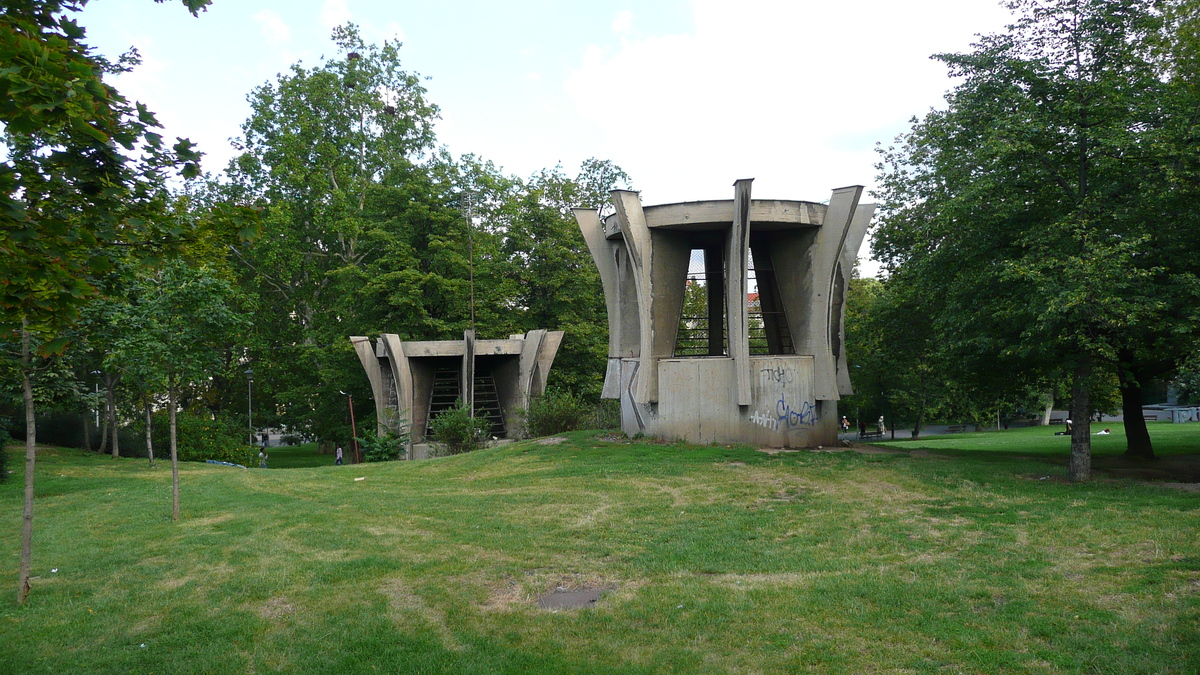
(177, 327)
(69, 192)
(358, 224)
(1031, 207)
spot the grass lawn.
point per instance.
(1169, 439)
(296, 457)
(711, 560)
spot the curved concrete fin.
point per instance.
(546, 354)
(854, 239)
(602, 252)
(401, 377)
(527, 366)
(637, 242)
(826, 255)
(370, 363)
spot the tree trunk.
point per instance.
(87, 430)
(920, 420)
(30, 463)
(174, 449)
(1137, 436)
(104, 429)
(1079, 468)
(1049, 410)
(149, 442)
(111, 396)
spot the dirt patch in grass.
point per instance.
(405, 604)
(275, 608)
(550, 440)
(560, 599)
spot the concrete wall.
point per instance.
(697, 403)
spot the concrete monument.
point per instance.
(413, 381)
(726, 317)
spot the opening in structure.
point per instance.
(767, 325)
(702, 321)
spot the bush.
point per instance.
(385, 448)
(558, 411)
(458, 430)
(291, 439)
(200, 438)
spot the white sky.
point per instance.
(685, 95)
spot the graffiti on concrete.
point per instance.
(776, 375)
(764, 419)
(789, 418)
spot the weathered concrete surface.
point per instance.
(642, 253)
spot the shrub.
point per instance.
(557, 411)
(385, 448)
(458, 430)
(201, 437)
(290, 439)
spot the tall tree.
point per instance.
(1028, 206)
(81, 177)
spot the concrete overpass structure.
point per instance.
(726, 318)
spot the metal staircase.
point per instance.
(446, 390)
(487, 404)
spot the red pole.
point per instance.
(354, 430)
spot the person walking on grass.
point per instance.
(262, 459)
(337, 461)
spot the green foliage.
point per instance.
(83, 173)
(5, 439)
(557, 411)
(201, 437)
(458, 430)
(1037, 230)
(385, 448)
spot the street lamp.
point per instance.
(353, 427)
(250, 403)
(97, 409)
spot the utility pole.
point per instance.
(471, 254)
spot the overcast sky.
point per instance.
(685, 95)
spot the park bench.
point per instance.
(1057, 420)
(1150, 418)
(956, 428)
(864, 435)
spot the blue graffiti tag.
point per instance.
(806, 415)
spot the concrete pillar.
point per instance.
(736, 286)
(468, 372)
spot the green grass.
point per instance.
(716, 560)
(1168, 439)
(296, 457)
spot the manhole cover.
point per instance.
(570, 599)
